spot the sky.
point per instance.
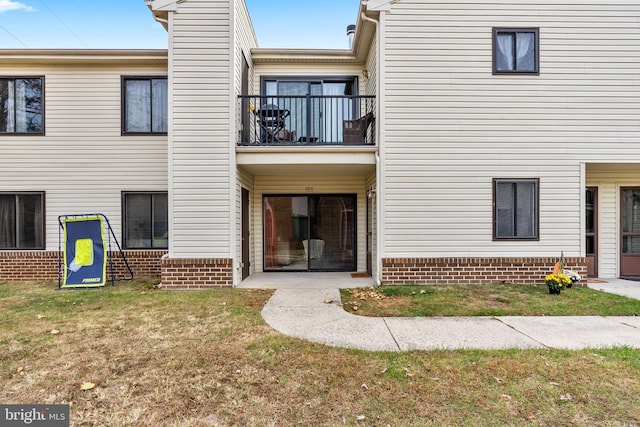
(128, 24)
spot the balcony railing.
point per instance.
(306, 120)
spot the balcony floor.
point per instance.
(292, 160)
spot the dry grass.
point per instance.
(485, 300)
(206, 358)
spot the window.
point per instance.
(21, 105)
(145, 220)
(317, 106)
(22, 221)
(144, 105)
(515, 208)
(515, 51)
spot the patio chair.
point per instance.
(355, 131)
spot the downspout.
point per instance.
(379, 175)
(160, 20)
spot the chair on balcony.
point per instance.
(272, 121)
(355, 131)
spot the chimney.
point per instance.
(351, 31)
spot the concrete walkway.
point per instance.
(313, 313)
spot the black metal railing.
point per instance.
(306, 120)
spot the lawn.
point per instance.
(485, 300)
(206, 358)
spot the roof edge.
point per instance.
(84, 55)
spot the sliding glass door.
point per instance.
(317, 108)
(309, 233)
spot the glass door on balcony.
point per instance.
(309, 233)
(317, 108)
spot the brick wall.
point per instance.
(26, 266)
(196, 273)
(473, 270)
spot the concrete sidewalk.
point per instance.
(305, 313)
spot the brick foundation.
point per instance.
(473, 270)
(28, 266)
(198, 273)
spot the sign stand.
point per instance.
(82, 263)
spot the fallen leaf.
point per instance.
(87, 385)
(328, 301)
(413, 293)
(21, 370)
(422, 291)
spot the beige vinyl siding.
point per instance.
(314, 70)
(83, 163)
(372, 69)
(245, 40)
(373, 218)
(307, 185)
(201, 85)
(451, 126)
(244, 181)
(609, 178)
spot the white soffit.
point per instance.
(379, 4)
(164, 5)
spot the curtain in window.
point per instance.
(160, 221)
(505, 220)
(21, 106)
(298, 119)
(504, 55)
(516, 209)
(525, 43)
(7, 221)
(525, 209)
(138, 221)
(159, 105)
(7, 106)
(29, 220)
(335, 111)
(38, 224)
(137, 96)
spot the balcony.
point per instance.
(310, 120)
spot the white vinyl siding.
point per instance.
(200, 146)
(83, 163)
(373, 217)
(245, 181)
(313, 70)
(245, 40)
(307, 185)
(451, 125)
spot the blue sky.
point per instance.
(121, 24)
